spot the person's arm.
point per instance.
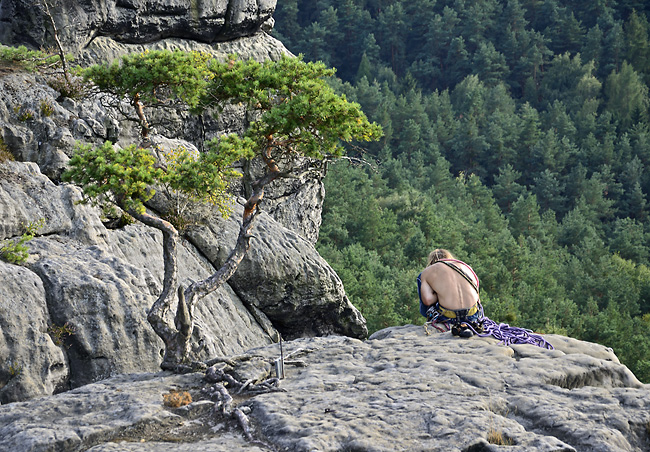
(427, 294)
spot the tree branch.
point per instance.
(55, 32)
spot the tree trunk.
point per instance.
(139, 110)
(175, 337)
(55, 33)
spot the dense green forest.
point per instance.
(517, 135)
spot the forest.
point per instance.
(516, 135)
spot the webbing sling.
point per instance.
(462, 273)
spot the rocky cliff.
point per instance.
(401, 390)
(75, 311)
(73, 316)
(80, 22)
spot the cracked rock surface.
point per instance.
(401, 390)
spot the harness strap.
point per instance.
(462, 273)
(453, 313)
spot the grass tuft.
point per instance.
(498, 438)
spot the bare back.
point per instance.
(446, 286)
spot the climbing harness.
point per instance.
(440, 318)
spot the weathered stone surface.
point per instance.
(399, 391)
(223, 324)
(92, 414)
(132, 21)
(259, 47)
(105, 300)
(36, 127)
(283, 276)
(102, 281)
(31, 364)
(26, 196)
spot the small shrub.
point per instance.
(32, 227)
(177, 399)
(15, 251)
(60, 333)
(29, 60)
(15, 369)
(47, 109)
(179, 221)
(76, 88)
(5, 154)
(26, 115)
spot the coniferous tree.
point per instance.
(627, 96)
(638, 44)
(542, 121)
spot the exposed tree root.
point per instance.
(224, 403)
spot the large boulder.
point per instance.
(31, 364)
(131, 21)
(283, 276)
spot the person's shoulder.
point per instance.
(433, 268)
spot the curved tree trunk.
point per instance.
(172, 335)
(177, 336)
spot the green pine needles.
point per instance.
(16, 251)
(29, 60)
(299, 116)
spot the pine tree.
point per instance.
(489, 64)
(627, 95)
(638, 46)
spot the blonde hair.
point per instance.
(437, 254)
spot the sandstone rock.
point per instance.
(283, 276)
(31, 365)
(105, 301)
(92, 414)
(223, 324)
(132, 21)
(36, 127)
(55, 126)
(259, 47)
(101, 282)
(401, 390)
(26, 196)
